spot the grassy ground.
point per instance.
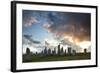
(78, 56)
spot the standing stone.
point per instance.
(69, 50)
(73, 52)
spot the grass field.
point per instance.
(78, 56)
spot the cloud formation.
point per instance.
(29, 20)
(75, 25)
(28, 37)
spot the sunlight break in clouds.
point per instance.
(51, 41)
(84, 44)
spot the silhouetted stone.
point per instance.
(27, 51)
(73, 52)
(85, 50)
(65, 52)
(69, 50)
(45, 51)
(62, 51)
(49, 51)
(59, 49)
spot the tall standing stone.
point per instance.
(69, 50)
(59, 49)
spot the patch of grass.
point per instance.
(78, 56)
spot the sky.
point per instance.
(52, 28)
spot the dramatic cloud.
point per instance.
(29, 20)
(75, 25)
(28, 37)
(46, 25)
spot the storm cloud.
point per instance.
(75, 25)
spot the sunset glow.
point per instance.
(84, 44)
